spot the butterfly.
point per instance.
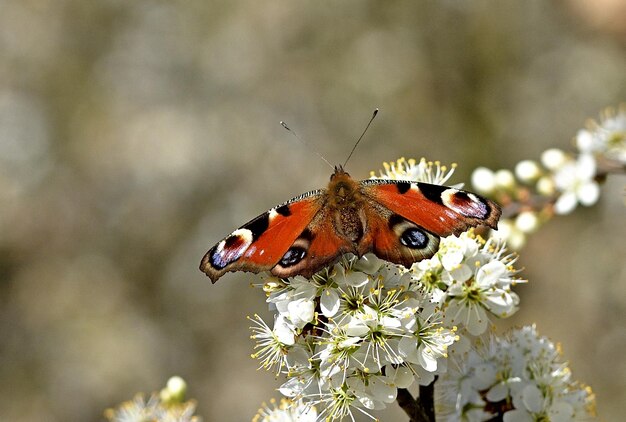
(399, 221)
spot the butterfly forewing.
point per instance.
(259, 244)
(440, 210)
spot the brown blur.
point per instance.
(135, 134)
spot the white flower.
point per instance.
(606, 138)
(575, 182)
(272, 344)
(517, 377)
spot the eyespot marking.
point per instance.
(298, 250)
(293, 255)
(414, 238)
(409, 233)
(230, 249)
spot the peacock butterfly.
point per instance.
(399, 221)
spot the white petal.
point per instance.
(500, 303)
(356, 328)
(498, 392)
(283, 332)
(561, 412)
(566, 203)
(533, 399)
(584, 141)
(517, 415)
(407, 348)
(585, 167)
(427, 360)
(391, 323)
(292, 387)
(477, 320)
(489, 274)
(329, 302)
(401, 376)
(484, 376)
(451, 259)
(369, 263)
(382, 391)
(355, 279)
(462, 273)
(301, 312)
(588, 193)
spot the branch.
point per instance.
(420, 409)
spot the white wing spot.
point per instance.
(272, 214)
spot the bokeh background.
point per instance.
(135, 134)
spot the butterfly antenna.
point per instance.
(283, 124)
(361, 137)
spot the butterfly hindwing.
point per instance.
(317, 247)
(394, 238)
(262, 242)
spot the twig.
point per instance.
(420, 409)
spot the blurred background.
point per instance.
(135, 135)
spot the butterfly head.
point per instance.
(339, 172)
(342, 188)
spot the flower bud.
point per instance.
(527, 222)
(483, 180)
(174, 391)
(505, 179)
(545, 186)
(553, 158)
(527, 171)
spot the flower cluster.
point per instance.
(348, 337)
(559, 182)
(518, 377)
(422, 171)
(167, 406)
(286, 411)
(470, 279)
(351, 335)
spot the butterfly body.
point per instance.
(399, 221)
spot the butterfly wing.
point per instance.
(406, 219)
(261, 243)
(317, 247)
